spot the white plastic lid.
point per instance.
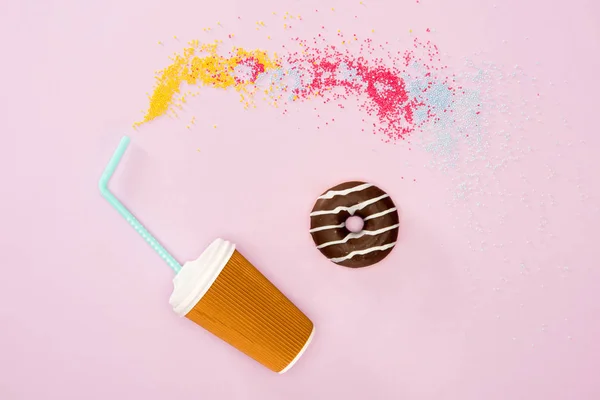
(196, 277)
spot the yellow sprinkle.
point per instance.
(269, 37)
(372, 30)
(198, 150)
(174, 37)
(159, 42)
(215, 126)
(208, 69)
(332, 9)
(187, 126)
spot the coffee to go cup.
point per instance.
(225, 294)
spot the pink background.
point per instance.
(509, 313)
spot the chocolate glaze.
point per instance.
(369, 248)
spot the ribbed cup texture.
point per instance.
(247, 311)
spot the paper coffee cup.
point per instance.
(226, 295)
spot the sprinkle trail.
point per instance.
(318, 70)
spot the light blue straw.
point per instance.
(117, 205)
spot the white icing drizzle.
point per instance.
(332, 193)
(324, 228)
(362, 252)
(351, 209)
(356, 235)
(379, 214)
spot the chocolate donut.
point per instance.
(354, 249)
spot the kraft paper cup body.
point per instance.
(225, 294)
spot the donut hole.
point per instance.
(354, 224)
